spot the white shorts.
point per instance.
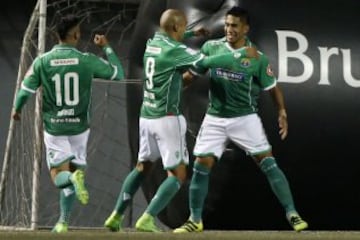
(61, 149)
(163, 137)
(247, 132)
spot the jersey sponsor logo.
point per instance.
(149, 104)
(149, 95)
(153, 50)
(64, 62)
(229, 75)
(65, 120)
(66, 112)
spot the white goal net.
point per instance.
(28, 198)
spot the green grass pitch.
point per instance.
(207, 235)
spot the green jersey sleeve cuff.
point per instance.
(21, 98)
(115, 62)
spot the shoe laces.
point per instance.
(296, 220)
(190, 224)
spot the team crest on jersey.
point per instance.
(245, 62)
(269, 71)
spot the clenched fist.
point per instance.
(100, 40)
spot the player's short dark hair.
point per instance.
(65, 24)
(241, 13)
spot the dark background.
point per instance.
(13, 20)
(319, 156)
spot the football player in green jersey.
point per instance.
(65, 75)
(232, 116)
(162, 126)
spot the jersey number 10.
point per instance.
(71, 81)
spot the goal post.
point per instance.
(38, 18)
(28, 199)
(24, 63)
(38, 147)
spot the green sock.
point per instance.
(67, 197)
(278, 183)
(130, 186)
(62, 179)
(198, 191)
(169, 187)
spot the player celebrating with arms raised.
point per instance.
(66, 75)
(232, 116)
(162, 126)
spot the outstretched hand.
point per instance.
(16, 116)
(283, 125)
(201, 32)
(100, 40)
(252, 52)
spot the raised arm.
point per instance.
(228, 59)
(223, 60)
(197, 33)
(101, 41)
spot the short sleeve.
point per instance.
(266, 76)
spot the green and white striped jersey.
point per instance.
(66, 75)
(234, 91)
(164, 62)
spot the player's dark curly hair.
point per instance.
(65, 24)
(241, 13)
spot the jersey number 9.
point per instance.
(149, 72)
